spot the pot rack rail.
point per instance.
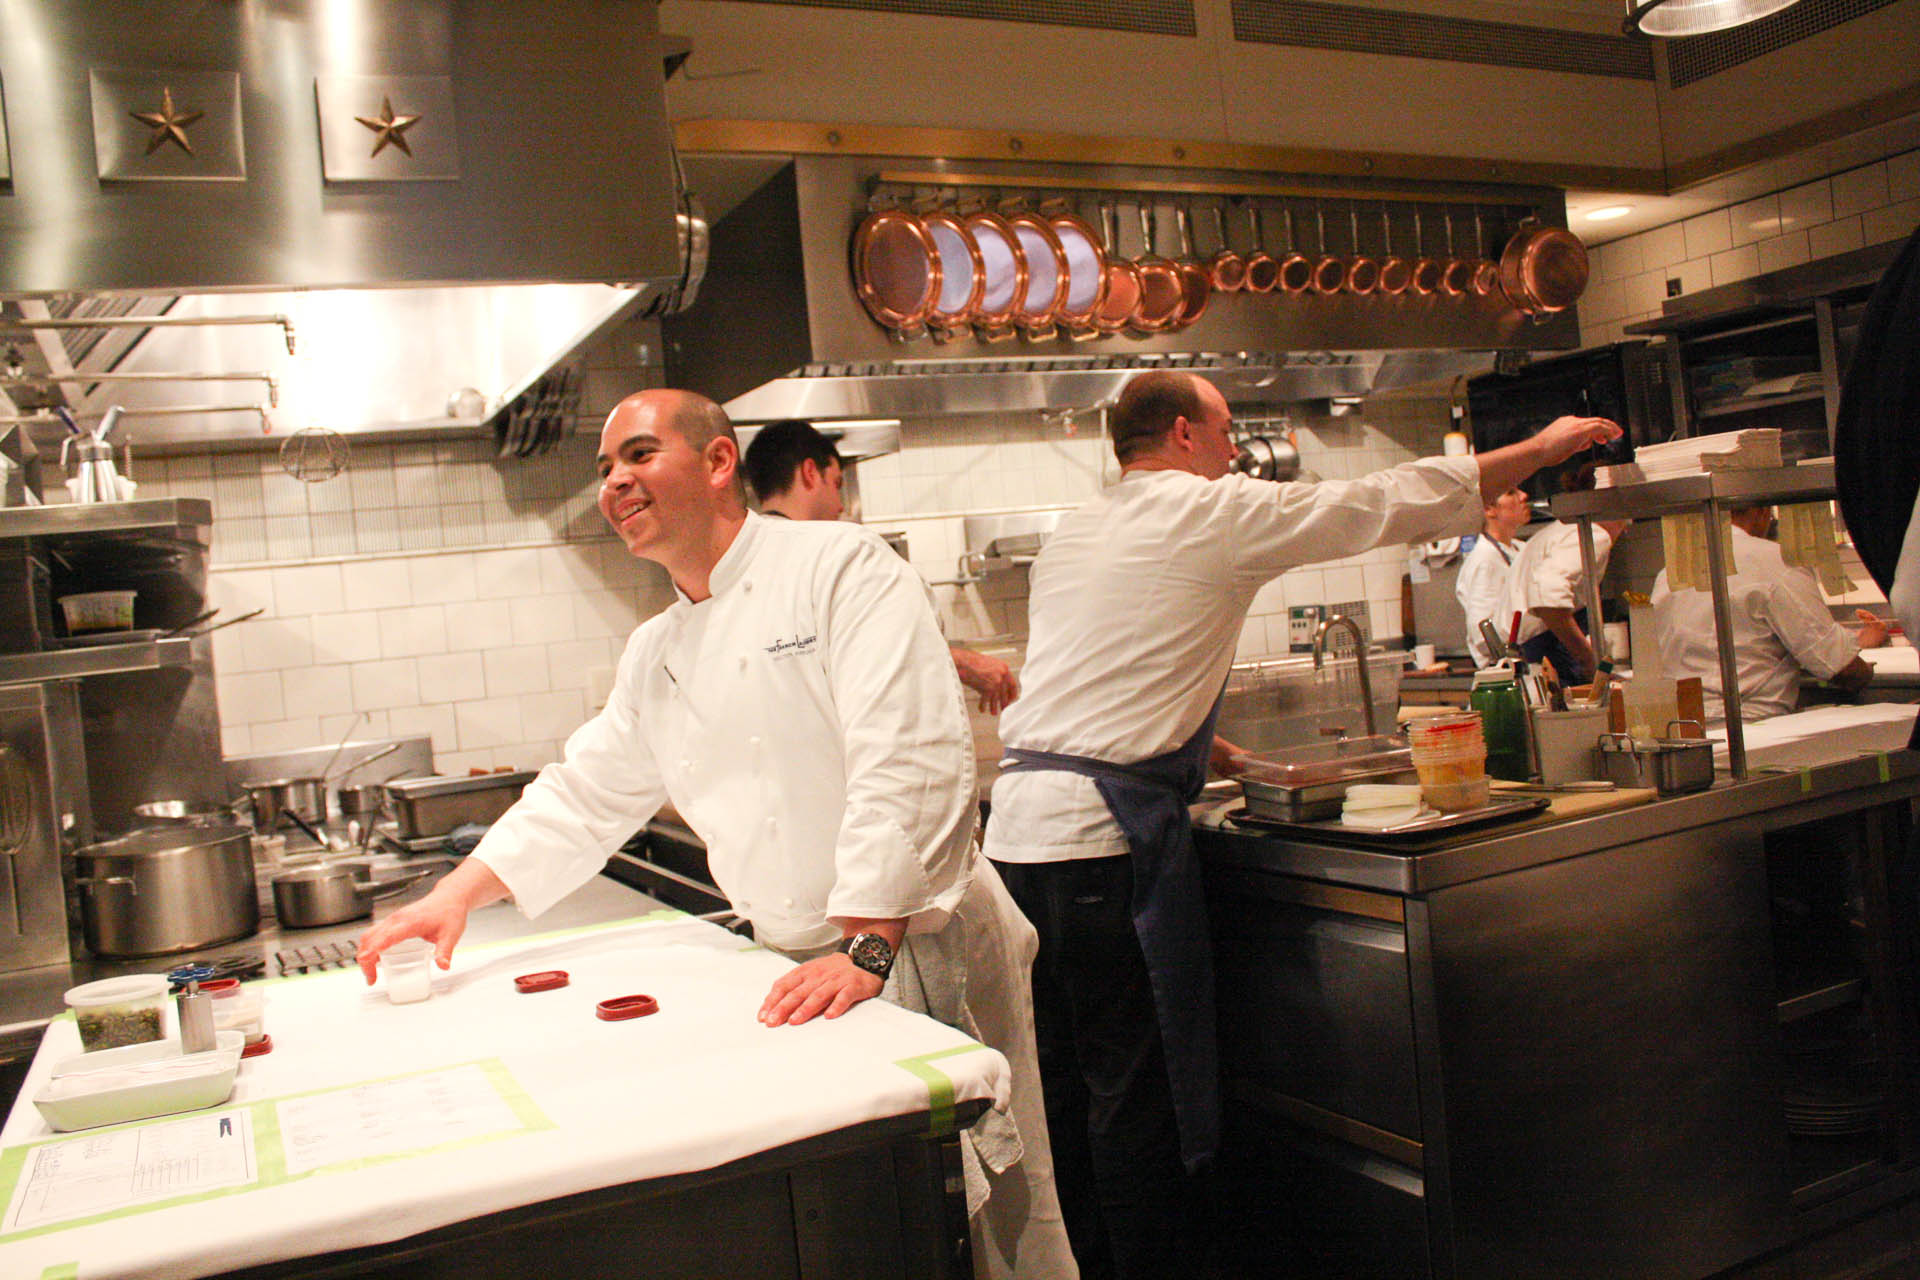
(169, 411)
(1252, 190)
(43, 379)
(285, 323)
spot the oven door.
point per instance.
(33, 914)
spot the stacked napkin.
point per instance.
(1377, 805)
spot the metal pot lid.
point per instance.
(962, 271)
(162, 842)
(896, 268)
(1086, 268)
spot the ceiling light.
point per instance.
(1609, 213)
(1694, 17)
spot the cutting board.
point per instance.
(1583, 804)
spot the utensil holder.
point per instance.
(1568, 742)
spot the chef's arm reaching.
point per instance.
(440, 917)
(1220, 758)
(829, 985)
(989, 677)
(1502, 469)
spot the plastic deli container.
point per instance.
(98, 611)
(1450, 755)
(115, 1012)
(407, 968)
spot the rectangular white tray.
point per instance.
(138, 1081)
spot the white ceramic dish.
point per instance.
(137, 1082)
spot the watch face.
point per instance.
(871, 952)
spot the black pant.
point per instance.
(1131, 1208)
(1551, 648)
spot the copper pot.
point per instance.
(1086, 271)
(1262, 271)
(1296, 273)
(1396, 273)
(1227, 269)
(1427, 272)
(1161, 293)
(1486, 272)
(1196, 284)
(1329, 272)
(1047, 281)
(963, 276)
(1122, 294)
(896, 269)
(1003, 271)
(1363, 272)
(1456, 273)
(1543, 269)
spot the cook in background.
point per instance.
(1781, 626)
(1548, 589)
(1136, 603)
(1482, 582)
(796, 474)
(797, 706)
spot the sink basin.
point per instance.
(1304, 784)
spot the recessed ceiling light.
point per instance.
(1609, 213)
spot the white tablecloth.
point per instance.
(1821, 735)
(594, 1103)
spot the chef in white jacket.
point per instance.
(1481, 586)
(1781, 626)
(798, 707)
(1547, 588)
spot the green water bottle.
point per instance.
(1503, 719)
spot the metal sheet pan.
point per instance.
(1417, 830)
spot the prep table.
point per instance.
(696, 1138)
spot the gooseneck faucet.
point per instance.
(1359, 656)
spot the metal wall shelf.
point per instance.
(91, 518)
(96, 660)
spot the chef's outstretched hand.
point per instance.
(826, 987)
(440, 917)
(991, 678)
(1564, 437)
(1873, 629)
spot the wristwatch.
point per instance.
(869, 951)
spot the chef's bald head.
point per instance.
(695, 419)
(1150, 406)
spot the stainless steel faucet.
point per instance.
(1359, 657)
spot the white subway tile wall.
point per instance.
(1865, 205)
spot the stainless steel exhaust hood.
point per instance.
(413, 197)
(779, 331)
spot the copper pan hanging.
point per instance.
(963, 276)
(1427, 272)
(1543, 269)
(896, 270)
(1226, 269)
(1196, 286)
(1161, 295)
(1295, 271)
(1039, 309)
(1363, 272)
(1486, 272)
(1003, 272)
(1396, 272)
(1263, 272)
(1122, 293)
(1456, 273)
(1086, 269)
(1329, 271)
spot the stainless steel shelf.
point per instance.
(1811, 481)
(1759, 404)
(105, 517)
(96, 660)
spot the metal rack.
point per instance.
(1711, 493)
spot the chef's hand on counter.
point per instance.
(1873, 630)
(1503, 469)
(440, 917)
(1220, 758)
(830, 985)
(991, 678)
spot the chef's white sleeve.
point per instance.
(1283, 526)
(1800, 617)
(571, 818)
(904, 847)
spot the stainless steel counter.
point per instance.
(1423, 868)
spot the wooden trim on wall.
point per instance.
(783, 137)
(1798, 137)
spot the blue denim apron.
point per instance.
(1149, 800)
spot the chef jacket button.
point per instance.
(754, 741)
(687, 765)
(773, 822)
(787, 903)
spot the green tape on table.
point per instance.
(940, 1095)
(61, 1271)
(269, 1144)
(1885, 766)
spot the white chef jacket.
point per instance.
(807, 723)
(1480, 587)
(1547, 575)
(1780, 625)
(1136, 602)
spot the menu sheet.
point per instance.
(124, 1168)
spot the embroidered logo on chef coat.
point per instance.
(780, 650)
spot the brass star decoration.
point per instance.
(167, 124)
(389, 128)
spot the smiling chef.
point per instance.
(797, 705)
